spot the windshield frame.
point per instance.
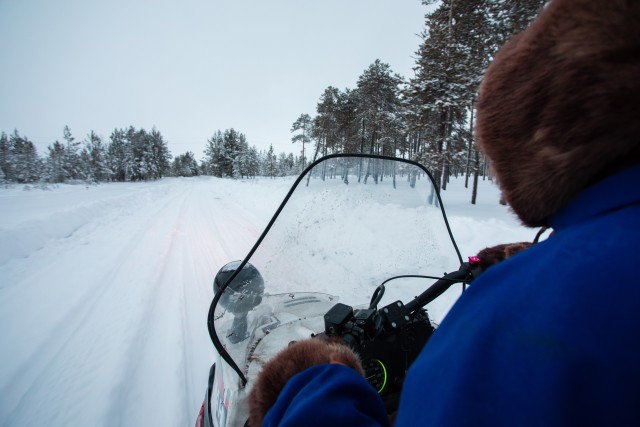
(211, 315)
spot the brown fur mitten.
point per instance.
(295, 358)
(495, 254)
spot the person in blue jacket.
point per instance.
(550, 336)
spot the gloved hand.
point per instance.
(297, 357)
(494, 254)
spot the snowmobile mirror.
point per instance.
(240, 296)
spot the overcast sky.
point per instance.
(190, 67)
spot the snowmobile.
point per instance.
(350, 226)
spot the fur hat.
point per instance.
(295, 358)
(559, 107)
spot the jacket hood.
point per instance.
(559, 106)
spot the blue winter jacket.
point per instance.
(550, 337)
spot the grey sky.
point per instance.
(190, 67)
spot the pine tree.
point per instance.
(271, 162)
(228, 154)
(55, 163)
(135, 155)
(303, 124)
(95, 154)
(185, 165)
(24, 161)
(159, 154)
(509, 17)
(378, 107)
(119, 155)
(459, 42)
(347, 122)
(282, 164)
(212, 155)
(241, 158)
(325, 125)
(5, 158)
(437, 88)
(232, 144)
(253, 162)
(72, 163)
(138, 164)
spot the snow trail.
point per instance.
(127, 324)
(104, 291)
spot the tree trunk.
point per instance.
(361, 152)
(394, 175)
(476, 171)
(466, 179)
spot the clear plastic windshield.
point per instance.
(350, 224)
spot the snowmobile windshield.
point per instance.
(348, 224)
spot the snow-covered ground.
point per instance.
(104, 290)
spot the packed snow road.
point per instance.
(103, 301)
(104, 291)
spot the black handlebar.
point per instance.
(356, 327)
(464, 274)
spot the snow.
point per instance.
(104, 290)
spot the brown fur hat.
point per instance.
(295, 358)
(559, 107)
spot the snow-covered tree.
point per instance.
(72, 163)
(270, 168)
(378, 108)
(94, 154)
(5, 157)
(24, 162)
(185, 165)
(136, 155)
(325, 129)
(303, 125)
(119, 156)
(55, 163)
(228, 155)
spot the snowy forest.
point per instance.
(134, 155)
(427, 117)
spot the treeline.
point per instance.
(134, 155)
(130, 155)
(228, 154)
(429, 117)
